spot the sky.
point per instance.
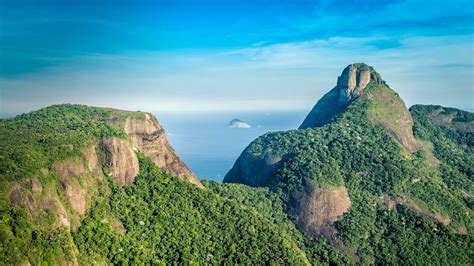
(223, 55)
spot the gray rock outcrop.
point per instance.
(237, 123)
(317, 209)
(150, 138)
(353, 80)
(120, 159)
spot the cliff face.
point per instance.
(149, 137)
(56, 176)
(353, 80)
(120, 160)
(461, 121)
(317, 209)
(388, 110)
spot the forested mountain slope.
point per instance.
(364, 180)
(380, 183)
(77, 187)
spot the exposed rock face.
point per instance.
(15, 196)
(120, 159)
(90, 156)
(253, 171)
(389, 111)
(69, 168)
(316, 209)
(448, 117)
(353, 80)
(350, 85)
(36, 185)
(75, 194)
(150, 138)
(51, 201)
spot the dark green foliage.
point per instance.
(167, 220)
(326, 108)
(400, 236)
(38, 139)
(265, 202)
(437, 123)
(22, 242)
(337, 152)
(30, 142)
(161, 219)
(457, 169)
(353, 152)
(269, 205)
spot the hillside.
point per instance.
(380, 183)
(90, 185)
(363, 180)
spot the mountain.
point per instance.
(363, 180)
(380, 183)
(86, 185)
(350, 85)
(387, 108)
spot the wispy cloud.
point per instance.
(35, 34)
(276, 76)
(212, 55)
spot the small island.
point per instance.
(237, 123)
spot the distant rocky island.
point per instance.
(237, 123)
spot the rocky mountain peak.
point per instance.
(350, 85)
(386, 108)
(354, 79)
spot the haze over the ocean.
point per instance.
(229, 55)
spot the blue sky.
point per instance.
(229, 55)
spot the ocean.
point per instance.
(206, 143)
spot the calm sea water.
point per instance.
(209, 147)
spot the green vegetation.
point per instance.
(370, 162)
(22, 241)
(162, 220)
(167, 220)
(400, 236)
(158, 219)
(334, 153)
(39, 139)
(455, 148)
(270, 206)
(125, 114)
(31, 144)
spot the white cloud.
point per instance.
(436, 70)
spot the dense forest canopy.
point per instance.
(162, 219)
